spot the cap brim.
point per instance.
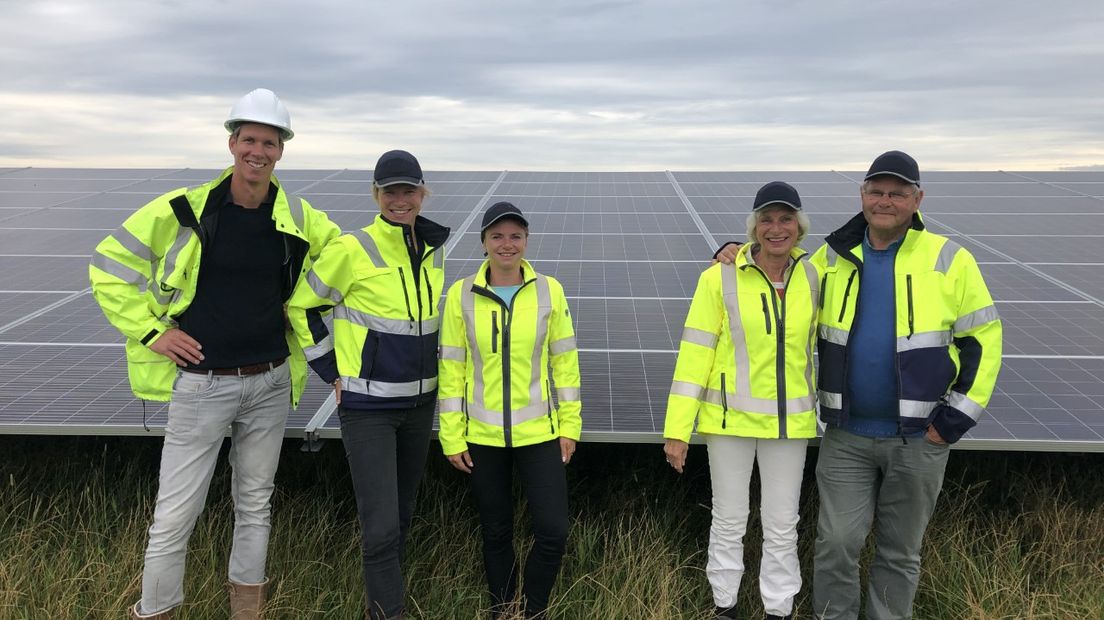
(399, 181)
(892, 174)
(515, 216)
(777, 202)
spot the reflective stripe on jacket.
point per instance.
(385, 314)
(495, 387)
(948, 330)
(145, 273)
(745, 363)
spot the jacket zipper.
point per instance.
(507, 417)
(494, 331)
(372, 369)
(780, 356)
(548, 395)
(406, 297)
(908, 286)
(464, 408)
(724, 403)
(846, 294)
(766, 312)
(429, 288)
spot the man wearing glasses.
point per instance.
(909, 345)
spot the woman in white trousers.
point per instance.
(745, 376)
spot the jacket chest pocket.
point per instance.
(380, 291)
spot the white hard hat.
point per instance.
(261, 106)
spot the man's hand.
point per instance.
(676, 453)
(934, 436)
(178, 346)
(461, 461)
(567, 448)
(337, 391)
(727, 254)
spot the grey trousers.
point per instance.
(861, 479)
(254, 410)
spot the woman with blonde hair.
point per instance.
(745, 375)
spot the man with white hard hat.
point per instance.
(216, 347)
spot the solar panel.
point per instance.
(627, 247)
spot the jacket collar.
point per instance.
(527, 273)
(851, 234)
(425, 229)
(745, 259)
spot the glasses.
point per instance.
(894, 196)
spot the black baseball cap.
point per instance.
(396, 167)
(895, 163)
(499, 210)
(777, 193)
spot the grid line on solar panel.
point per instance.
(605, 279)
(64, 174)
(584, 190)
(1036, 398)
(1068, 288)
(431, 176)
(36, 273)
(614, 246)
(759, 177)
(607, 204)
(1089, 176)
(1071, 329)
(1024, 224)
(529, 176)
(748, 190)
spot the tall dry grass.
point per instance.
(1015, 536)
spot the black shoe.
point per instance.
(725, 613)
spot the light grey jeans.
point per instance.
(254, 410)
(861, 480)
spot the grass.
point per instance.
(1014, 536)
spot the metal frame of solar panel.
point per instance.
(628, 248)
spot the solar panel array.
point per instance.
(628, 248)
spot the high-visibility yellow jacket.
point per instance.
(495, 388)
(145, 273)
(385, 314)
(948, 330)
(745, 363)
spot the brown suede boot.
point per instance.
(132, 614)
(247, 600)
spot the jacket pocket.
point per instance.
(494, 331)
(846, 295)
(766, 311)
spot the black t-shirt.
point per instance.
(238, 311)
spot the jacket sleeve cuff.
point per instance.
(725, 245)
(326, 367)
(951, 423)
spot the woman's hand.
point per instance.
(567, 448)
(462, 461)
(676, 453)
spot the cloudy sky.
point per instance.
(560, 84)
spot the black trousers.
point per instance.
(387, 455)
(544, 481)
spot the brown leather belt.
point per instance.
(240, 371)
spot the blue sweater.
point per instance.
(872, 365)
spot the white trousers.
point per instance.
(781, 465)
